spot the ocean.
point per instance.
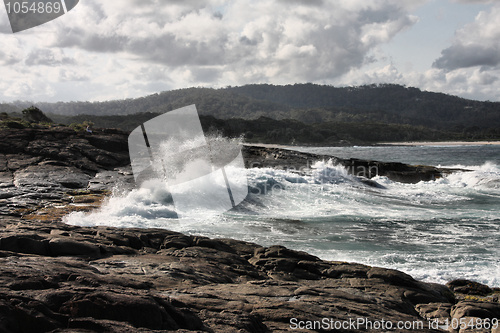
(435, 231)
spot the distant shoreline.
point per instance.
(408, 143)
(441, 143)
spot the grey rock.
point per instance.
(475, 309)
(107, 278)
(51, 176)
(469, 287)
(65, 246)
(30, 244)
(6, 180)
(434, 310)
(117, 180)
(20, 161)
(3, 163)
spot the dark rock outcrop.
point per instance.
(60, 278)
(80, 149)
(56, 276)
(469, 287)
(40, 166)
(265, 157)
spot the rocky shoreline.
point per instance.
(261, 157)
(61, 278)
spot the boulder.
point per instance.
(469, 287)
(475, 309)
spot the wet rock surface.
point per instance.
(56, 277)
(60, 278)
(39, 167)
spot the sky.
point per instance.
(103, 50)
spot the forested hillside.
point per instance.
(309, 103)
(388, 103)
(307, 112)
(220, 103)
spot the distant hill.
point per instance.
(410, 110)
(220, 103)
(388, 103)
(308, 103)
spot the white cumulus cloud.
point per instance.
(242, 41)
(130, 48)
(476, 44)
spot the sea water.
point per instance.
(435, 231)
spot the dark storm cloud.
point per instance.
(464, 56)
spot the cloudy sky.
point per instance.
(130, 48)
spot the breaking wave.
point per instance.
(436, 231)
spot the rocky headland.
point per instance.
(61, 278)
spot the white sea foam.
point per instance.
(435, 231)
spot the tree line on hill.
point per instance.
(262, 130)
(301, 113)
